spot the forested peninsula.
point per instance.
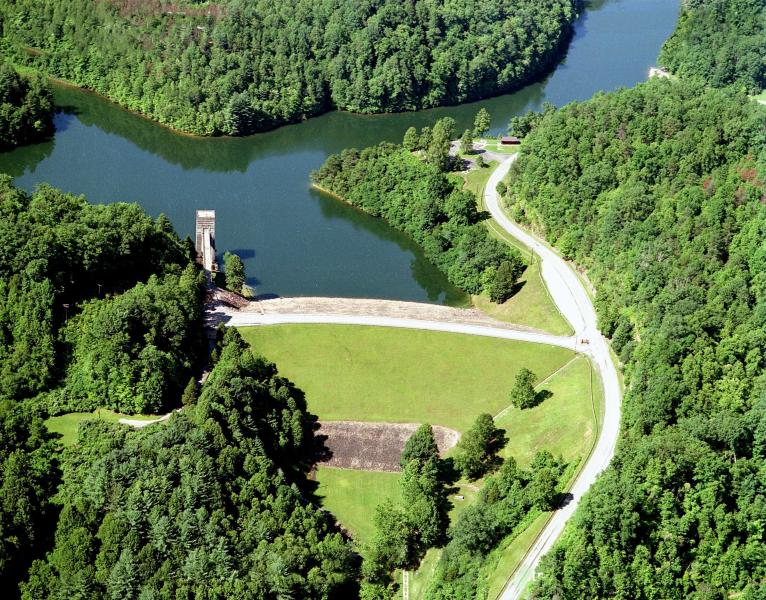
(659, 192)
(26, 109)
(415, 192)
(239, 66)
(720, 42)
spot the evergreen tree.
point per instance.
(420, 447)
(466, 142)
(189, 396)
(478, 448)
(411, 139)
(481, 123)
(234, 270)
(523, 394)
(505, 279)
(437, 151)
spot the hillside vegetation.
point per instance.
(720, 42)
(26, 109)
(98, 301)
(658, 191)
(209, 504)
(239, 66)
(101, 306)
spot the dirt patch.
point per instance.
(374, 446)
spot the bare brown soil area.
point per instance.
(374, 446)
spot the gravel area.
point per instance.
(373, 446)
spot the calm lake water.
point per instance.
(294, 241)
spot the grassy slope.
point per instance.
(66, 425)
(532, 304)
(353, 495)
(563, 424)
(400, 375)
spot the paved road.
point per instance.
(235, 318)
(571, 298)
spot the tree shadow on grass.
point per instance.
(542, 396)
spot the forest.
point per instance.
(26, 108)
(659, 192)
(92, 299)
(101, 307)
(720, 42)
(212, 504)
(415, 193)
(239, 66)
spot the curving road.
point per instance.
(573, 301)
(236, 318)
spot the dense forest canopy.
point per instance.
(101, 306)
(239, 66)
(720, 42)
(26, 108)
(29, 475)
(659, 192)
(60, 257)
(210, 504)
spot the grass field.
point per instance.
(376, 373)
(476, 179)
(566, 423)
(67, 425)
(495, 146)
(531, 305)
(353, 495)
(352, 372)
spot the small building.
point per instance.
(205, 240)
(509, 140)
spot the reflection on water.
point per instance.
(293, 240)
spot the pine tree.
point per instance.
(420, 447)
(481, 123)
(234, 269)
(411, 139)
(504, 282)
(189, 396)
(478, 448)
(523, 393)
(466, 142)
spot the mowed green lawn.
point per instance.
(353, 495)
(67, 424)
(365, 373)
(565, 424)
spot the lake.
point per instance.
(293, 240)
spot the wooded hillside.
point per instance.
(720, 42)
(239, 66)
(659, 192)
